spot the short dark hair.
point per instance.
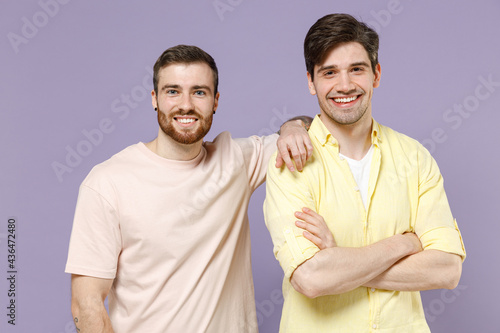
(334, 29)
(184, 54)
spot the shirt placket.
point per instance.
(347, 173)
(373, 294)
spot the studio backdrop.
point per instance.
(75, 83)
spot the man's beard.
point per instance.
(342, 118)
(184, 136)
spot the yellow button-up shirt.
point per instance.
(405, 193)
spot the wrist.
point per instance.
(412, 242)
(402, 245)
(303, 121)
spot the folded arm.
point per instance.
(376, 266)
(338, 270)
(429, 269)
(87, 304)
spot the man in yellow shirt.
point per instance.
(387, 231)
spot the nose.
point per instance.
(185, 103)
(344, 83)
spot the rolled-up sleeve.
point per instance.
(435, 225)
(286, 193)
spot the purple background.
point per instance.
(84, 58)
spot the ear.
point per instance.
(378, 73)
(310, 83)
(154, 100)
(216, 102)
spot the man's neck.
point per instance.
(168, 148)
(354, 140)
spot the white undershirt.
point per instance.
(361, 172)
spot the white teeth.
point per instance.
(345, 100)
(185, 120)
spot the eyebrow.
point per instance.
(205, 87)
(176, 86)
(169, 86)
(356, 64)
(360, 63)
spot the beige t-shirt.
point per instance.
(173, 235)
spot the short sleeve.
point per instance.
(256, 154)
(434, 223)
(95, 242)
(286, 193)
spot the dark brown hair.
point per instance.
(334, 29)
(184, 54)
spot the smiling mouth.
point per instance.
(345, 100)
(185, 120)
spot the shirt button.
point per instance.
(374, 326)
(356, 189)
(287, 231)
(373, 289)
(341, 158)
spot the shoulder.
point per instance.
(118, 163)
(222, 139)
(223, 144)
(223, 151)
(120, 159)
(314, 166)
(401, 146)
(255, 141)
(399, 141)
(392, 137)
(247, 146)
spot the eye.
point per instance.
(199, 93)
(171, 92)
(328, 74)
(358, 69)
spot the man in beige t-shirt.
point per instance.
(162, 228)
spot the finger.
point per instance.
(316, 240)
(317, 224)
(309, 227)
(279, 161)
(301, 225)
(311, 217)
(303, 156)
(308, 218)
(309, 148)
(308, 211)
(299, 152)
(285, 155)
(294, 151)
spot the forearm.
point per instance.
(337, 270)
(430, 269)
(87, 304)
(90, 315)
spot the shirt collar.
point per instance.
(376, 133)
(321, 133)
